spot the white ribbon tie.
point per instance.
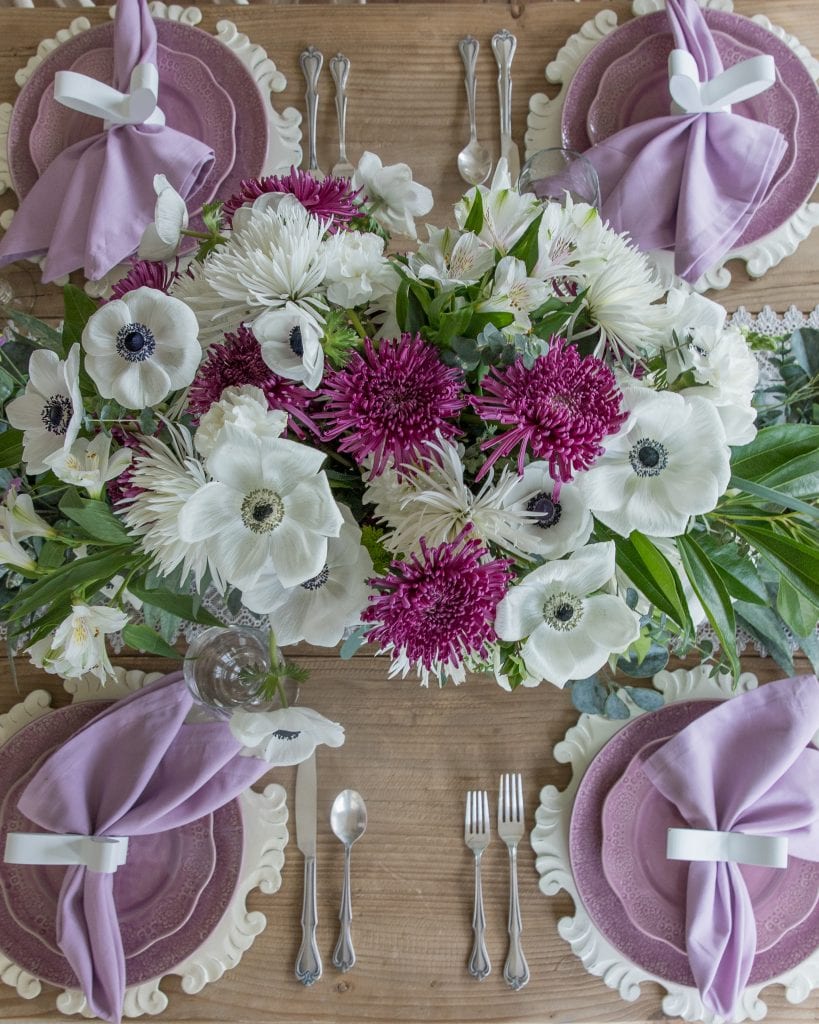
(740, 82)
(738, 847)
(103, 854)
(88, 96)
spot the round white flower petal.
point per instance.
(285, 462)
(311, 504)
(613, 624)
(297, 556)
(547, 655)
(520, 612)
(238, 460)
(214, 507)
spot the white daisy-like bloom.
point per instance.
(450, 257)
(167, 477)
(556, 525)
(284, 736)
(568, 232)
(393, 198)
(24, 521)
(688, 313)
(12, 552)
(77, 646)
(670, 461)
(357, 268)
(161, 239)
(506, 213)
(214, 314)
(320, 609)
(269, 503)
(50, 411)
(514, 291)
(568, 628)
(88, 464)
(244, 408)
(290, 343)
(141, 347)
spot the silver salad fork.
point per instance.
(476, 837)
(510, 829)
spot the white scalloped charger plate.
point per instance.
(264, 818)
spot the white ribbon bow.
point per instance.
(740, 82)
(103, 854)
(739, 847)
(88, 96)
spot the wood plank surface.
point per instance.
(412, 753)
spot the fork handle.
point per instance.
(479, 965)
(515, 970)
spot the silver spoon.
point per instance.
(474, 160)
(348, 820)
(340, 70)
(311, 61)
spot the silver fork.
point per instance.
(510, 829)
(476, 837)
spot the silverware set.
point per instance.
(312, 61)
(477, 829)
(348, 821)
(474, 160)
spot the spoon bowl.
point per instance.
(348, 816)
(474, 163)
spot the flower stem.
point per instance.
(356, 322)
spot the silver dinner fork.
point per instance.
(476, 837)
(510, 829)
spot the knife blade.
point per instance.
(504, 45)
(308, 961)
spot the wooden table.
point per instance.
(413, 752)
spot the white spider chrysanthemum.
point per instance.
(214, 313)
(167, 476)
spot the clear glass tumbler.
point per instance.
(551, 173)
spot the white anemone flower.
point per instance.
(284, 736)
(268, 504)
(688, 313)
(141, 347)
(357, 268)
(569, 629)
(88, 464)
(556, 526)
(161, 239)
(514, 291)
(50, 411)
(670, 461)
(320, 609)
(290, 343)
(449, 257)
(77, 646)
(393, 198)
(506, 213)
(244, 408)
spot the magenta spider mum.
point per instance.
(146, 274)
(560, 409)
(392, 402)
(331, 199)
(437, 608)
(237, 362)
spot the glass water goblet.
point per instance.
(551, 173)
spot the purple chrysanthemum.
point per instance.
(391, 402)
(561, 409)
(331, 199)
(237, 362)
(145, 274)
(437, 608)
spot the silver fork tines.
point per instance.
(476, 837)
(510, 829)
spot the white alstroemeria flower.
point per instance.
(161, 239)
(12, 552)
(506, 213)
(393, 198)
(688, 313)
(450, 257)
(141, 347)
(513, 291)
(568, 232)
(569, 628)
(555, 526)
(669, 462)
(284, 736)
(290, 342)
(214, 313)
(320, 609)
(87, 464)
(50, 411)
(77, 645)
(244, 408)
(357, 268)
(24, 521)
(268, 504)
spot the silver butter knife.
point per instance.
(504, 45)
(308, 962)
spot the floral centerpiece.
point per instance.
(509, 451)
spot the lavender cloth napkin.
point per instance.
(136, 769)
(743, 767)
(93, 202)
(688, 182)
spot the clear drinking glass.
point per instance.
(551, 173)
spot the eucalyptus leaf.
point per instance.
(655, 661)
(616, 708)
(589, 695)
(645, 698)
(354, 641)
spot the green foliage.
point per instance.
(143, 638)
(371, 540)
(185, 607)
(339, 340)
(79, 308)
(97, 522)
(707, 582)
(11, 448)
(792, 398)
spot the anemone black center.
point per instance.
(564, 612)
(135, 342)
(548, 511)
(56, 414)
(296, 342)
(648, 456)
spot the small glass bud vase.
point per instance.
(225, 667)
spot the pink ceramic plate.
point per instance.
(250, 126)
(795, 186)
(652, 889)
(601, 901)
(149, 907)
